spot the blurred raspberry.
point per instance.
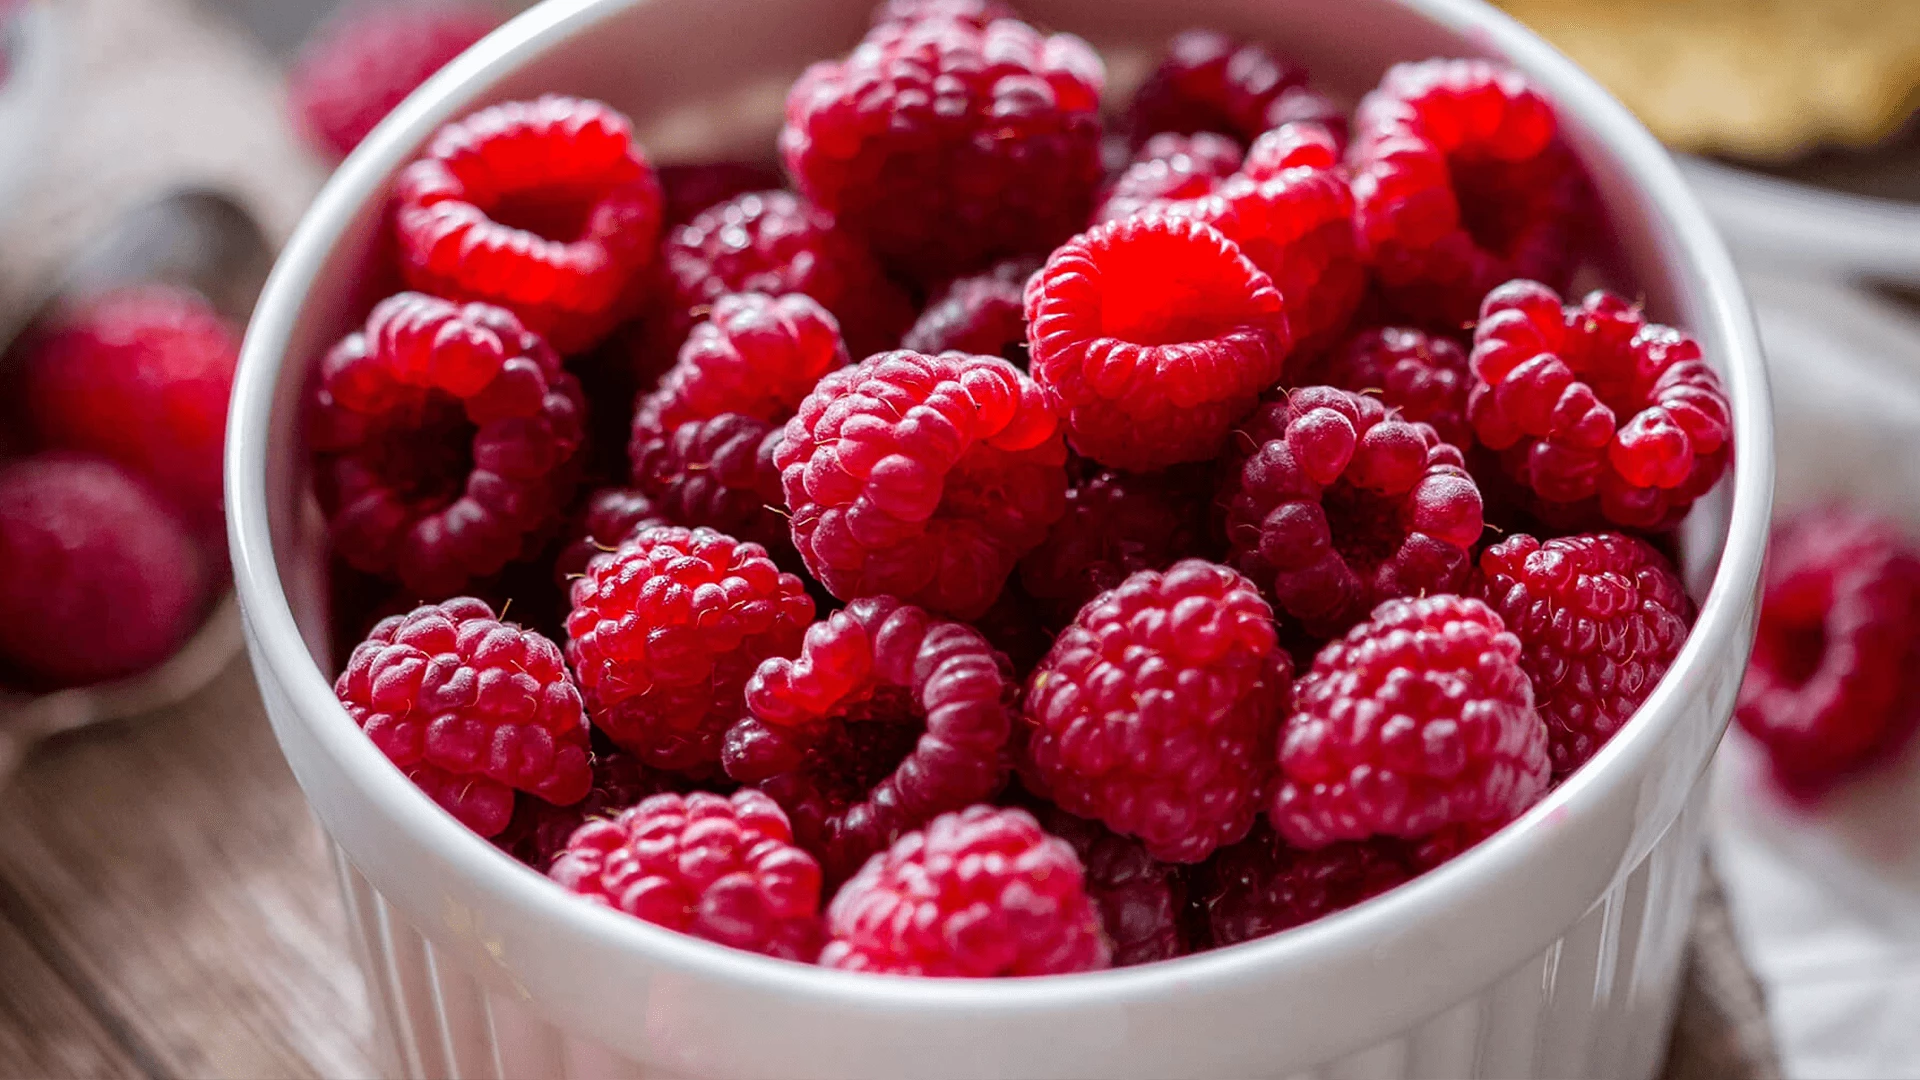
(984, 315)
(1115, 524)
(976, 13)
(1296, 144)
(1262, 886)
(1419, 376)
(1141, 900)
(1210, 82)
(353, 72)
(540, 830)
(101, 579)
(1169, 166)
(689, 189)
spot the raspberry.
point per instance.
(775, 242)
(1599, 617)
(984, 315)
(1261, 886)
(689, 189)
(547, 208)
(352, 74)
(1115, 524)
(719, 473)
(444, 441)
(1296, 144)
(1157, 708)
(1141, 900)
(1339, 506)
(140, 375)
(1152, 336)
(1594, 405)
(539, 830)
(1169, 166)
(922, 477)
(1419, 719)
(1419, 376)
(947, 144)
(1460, 184)
(1300, 107)
(888, 717)
(482, 704)
(1210, 82)
(102, 580)
(717, 867)
(665, 632)
(980, 893)
(1834, 685)
(610, 517)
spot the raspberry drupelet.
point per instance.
(1595, 410)
(471, 708)
(1461, 183)
(1152, 336)
(948, 144)
(1420, 376)
(888, 717)
(922, 477)
(1169, 166)
(1419, 720)
(539, 830)
(665, 632)
(1336, 506)
(1834, 684)
(718, 867)
(1115, 524)
(1142, 901)
(1599, 616)
(445, 441)
(1156, 710)
(978, 894)
(1208, 81)
(984, 314)
(1262, 885)
(775, 242)
(547, 208)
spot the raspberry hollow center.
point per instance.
(865, 743)
(426, 455)
(1154, 291)
(560, 214)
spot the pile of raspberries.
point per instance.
(1053, 533)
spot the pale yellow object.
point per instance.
(1752, 78)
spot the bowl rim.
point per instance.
(284, 663)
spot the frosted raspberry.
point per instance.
(1834, 685)
(451, 687)
(1157, 708)
(444, 440)
(1337, 506)
(1115, 524)
(665, 632)
(922, 477)
(1208, 81)
(539, 830)
(1261, 886)
(1142, 901)
(1419, 719)
(1420, 377)
(980, 893)
(775, 242)
(1599, 616)
(984, 314)
(1152, 336)
(609, 518)
(102, 580)
(888, 717)
(689, 189)
(717, 867)
(948, 144)
(1169, 166)
(140, 375)
(547, 208)
(1460, 183)
(352, 73)
(1592, 404)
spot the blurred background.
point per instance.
(166, 906)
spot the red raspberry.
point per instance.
(719, 473)
(922, 477)
(1296, 144)
(980, 893)
(1210, 82)
(352, 73)
(1261, 886)
(140, 375)
(689, 189)
(665, 632)
(101, 581)
(947, 144)
(1152, 336)
(717, 867)
(450, 687)
(1599, 617)
(1596, 403)
(984, 315)
(775, 242)
(547, 208)
(610, 517)
(539, 830)
(1157, 708)
(1116, 524)
(1169, 166)
(1834, 686)
(1141, 900)
(1299, 107)
(1419, 719)
(444, 441)
(1460, 184)
(1419, 376)
(888, 717)
(1339, 506)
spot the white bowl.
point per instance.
(1552, 949)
